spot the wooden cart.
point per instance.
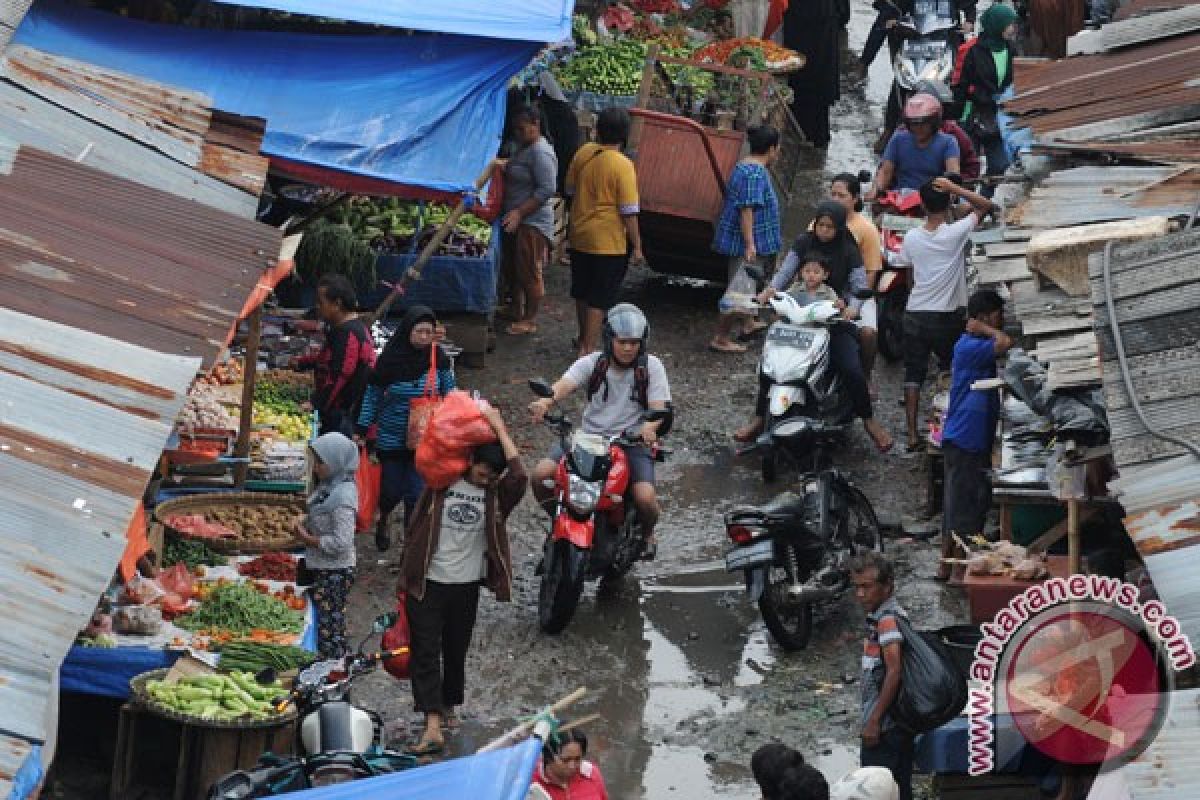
(685, 149)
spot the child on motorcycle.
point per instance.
(811, 288)
(622, 382)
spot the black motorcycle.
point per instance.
(336, 742)
(795, 549)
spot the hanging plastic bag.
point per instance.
(456, 427)
(739, 297)
(421, 409)
(368, 478)
(932, 689)
(397, 637)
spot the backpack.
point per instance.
(933, 690)
(641, 386)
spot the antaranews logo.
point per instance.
(1083, 669)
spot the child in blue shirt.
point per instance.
(971, 418)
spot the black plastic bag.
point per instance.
(932, 688)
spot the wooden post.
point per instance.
(1074, 559)
(249, 378)
(643, 97)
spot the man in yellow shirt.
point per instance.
(602, 185)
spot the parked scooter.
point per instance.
(595, 532)
(336, 741)
(805, 393)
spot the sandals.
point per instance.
(521, 329)
(728, 347)
(426, 747)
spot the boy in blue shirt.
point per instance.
(971, 418)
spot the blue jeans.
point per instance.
(399, 482)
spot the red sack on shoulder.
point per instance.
(456, 427)
(367, 478)
(395, 638)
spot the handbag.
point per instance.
(420, 409)
(397, 636)
(367, 478)
(983, 125)
(933, 690)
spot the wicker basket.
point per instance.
(201, 504)
(142, 698)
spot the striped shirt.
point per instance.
(388, 408)
(881, 630)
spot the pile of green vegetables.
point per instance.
(389, 225)
(241, 656)
(615, 68)
(282, 398)
(240, 609)
(218, 697)
(192, 552)
(329, 247)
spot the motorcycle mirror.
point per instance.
(383, 622)
(539, 387)
(864, 294)
(756, 273)
(554, 417)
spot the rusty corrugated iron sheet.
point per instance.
(114, 294)
(1137, 8)
(176, 122)
(83, 248)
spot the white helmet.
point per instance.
(866, 783)
(625, 321)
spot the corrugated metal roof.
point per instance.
(175, 122)
(1168, 769)
(84, 248)
(114, 294)
(228, 147)
(11, 14)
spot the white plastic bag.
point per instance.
(739, 297)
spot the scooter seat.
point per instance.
(787, 504)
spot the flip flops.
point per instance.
(728, 347)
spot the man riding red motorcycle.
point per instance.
(919, 152)
(623, 381)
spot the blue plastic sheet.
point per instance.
(498, 775)
(531, 20)
(447, 283)
(424, 110)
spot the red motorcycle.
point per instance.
(595, 532)
(898, 212)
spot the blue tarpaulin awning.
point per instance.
(529, 20)
(496, 775)
(424, 110)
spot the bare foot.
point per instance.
(726, 346)
(879, 435)
(748, 433)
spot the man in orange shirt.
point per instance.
(602, 185)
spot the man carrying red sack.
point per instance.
(456, 542)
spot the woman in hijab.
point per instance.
(987, 72)
(327, 532)
(831, 239)
(401, 374)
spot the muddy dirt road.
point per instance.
(678, 662)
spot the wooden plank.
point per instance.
(992, 271)
(1061, 255)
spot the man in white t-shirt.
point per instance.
(622, 382)
(936, 312)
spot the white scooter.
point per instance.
(807, 408)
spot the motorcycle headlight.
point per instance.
(582, 495)
(906, 74)
(938, 70)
